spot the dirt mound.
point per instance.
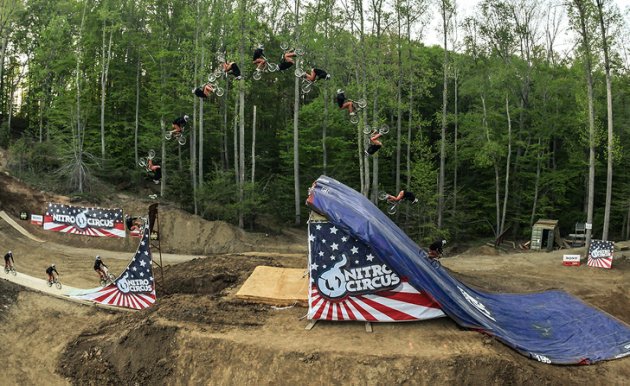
(131, 350)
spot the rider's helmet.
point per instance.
(193, 90)
(186, 118)
(443, 242)
(339, 91)
(327, 76)
(53, 265)
(261, 46)
(10, 253)
(98, 257)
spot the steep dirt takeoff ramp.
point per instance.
(551, 327)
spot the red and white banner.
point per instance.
(135, 287)
(349, 282)
(99, 222)
(37, 219)
(600, 254)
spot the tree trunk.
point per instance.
(254, 146)
(137, 122)
(163, 167)
(440, 209)
(200, 137)
(106, 56)
(324, 128)
(609, 113)
(586, 45)
(296, 132)
(224, 146)
(507, 163)
(455, 135)
(536, 184)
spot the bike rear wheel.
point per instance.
(168, 136)
(257, 75)
(382, 196)
(392, 209)
(181, 140)
(384, 129)
(361, 103)
(367, 129)
(151, 154)
(272, 67)
(142, 162)
(299, 72)
(354, 118)
(219, 91)
(306, 87)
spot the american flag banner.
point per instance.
(135, 287)
(349, 282)
(600, 254)
(98, 222)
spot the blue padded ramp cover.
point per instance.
(552, 326)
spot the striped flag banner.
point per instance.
(97, 222)
(135, 287)
(600, 254)
(349, 282)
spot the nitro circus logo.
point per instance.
(599, 253)
(82, 221)
(338, 282)
(133, 285)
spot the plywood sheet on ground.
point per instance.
(276, 286)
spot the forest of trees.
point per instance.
(492, 129)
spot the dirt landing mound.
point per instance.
(128, 351)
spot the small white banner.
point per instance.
(37, 219)
(571, 260)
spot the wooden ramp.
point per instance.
(276, 286)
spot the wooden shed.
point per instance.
(545, 234)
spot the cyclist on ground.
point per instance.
(100, 268)
(49, 272)
(8, 260)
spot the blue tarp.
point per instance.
(551, 326)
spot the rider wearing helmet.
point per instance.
(8, 260)
(344, 103)
(316, 74)
(49, 272)
(436, 249)
(259, 57)
(178, 124)
(100, 268)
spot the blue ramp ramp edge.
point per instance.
(551, 326)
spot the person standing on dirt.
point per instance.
(436, 249)
(100, 268)
(8, 260)
(49, 272)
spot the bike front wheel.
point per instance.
(306, 87)
(354, 119)
(151, 154)
(361, 103)
(58, 285)
(384, 129)
(382, 196)
(367, 129)
(392, 209)
(299, 72)
(142, 162)
(272, 67)
(257, 75)
(181, 140)
(168, 136)
(219, 91)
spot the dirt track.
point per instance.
(198, 333)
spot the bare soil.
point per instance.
(198, 333)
